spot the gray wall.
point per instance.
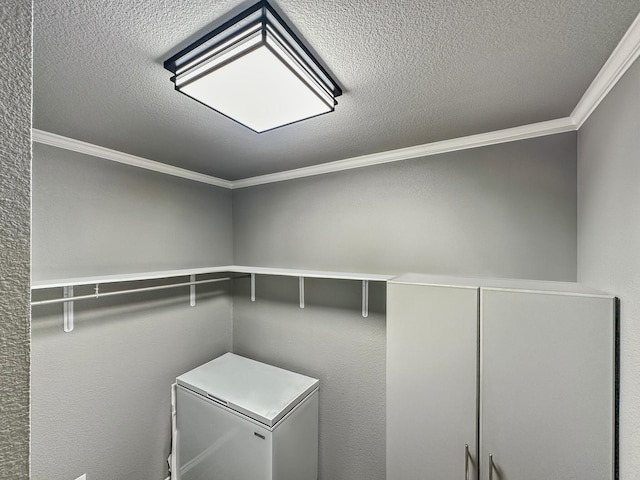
(94, 217)
(100, 395)
(609, 235)
(15, 192)
(330, 340)
(505, 210)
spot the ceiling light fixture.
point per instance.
(256, 71)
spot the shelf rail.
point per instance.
(68, 298)
(98, 294)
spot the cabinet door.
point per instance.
(547, 386)
(432, 341)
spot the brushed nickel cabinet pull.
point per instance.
(490, 467)
(466, 461)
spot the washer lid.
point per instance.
(260, 391)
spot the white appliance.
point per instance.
(238, 419)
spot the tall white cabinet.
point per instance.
(499, 380)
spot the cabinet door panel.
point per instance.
(432, 341)
(547, 386)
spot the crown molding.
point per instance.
(550, 127)
(59, 141)
(623, 56)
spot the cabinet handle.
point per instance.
(490, 467)
(466, 461)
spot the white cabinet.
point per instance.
(432, 336)
(519, 370)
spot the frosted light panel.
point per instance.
(256, 71)
(259, 91)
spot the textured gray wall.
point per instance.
(504, 210)
(15, 192)
(100, 395)
(609, 236)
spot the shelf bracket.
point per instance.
(301, 290)
(192, 291)
(67, 315)
(365, 298)
(253, 287)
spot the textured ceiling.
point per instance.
(412, 71)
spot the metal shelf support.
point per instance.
(253, 287)
(365, 298)
(192, 291)
(67, 292)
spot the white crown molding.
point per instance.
(55, 140)
(550, 127)
(623, 56)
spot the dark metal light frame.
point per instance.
(258, 26)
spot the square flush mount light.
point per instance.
(254, 70)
